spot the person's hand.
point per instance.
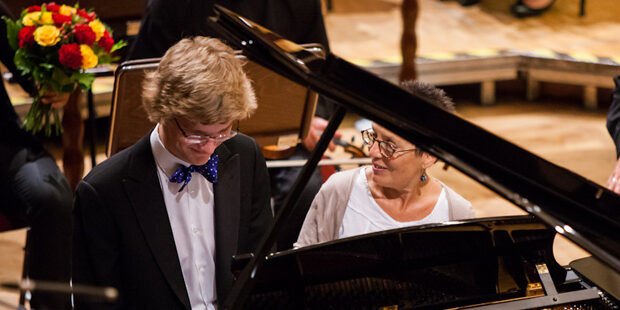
(55, 99)
(317, 126)
(613, 183)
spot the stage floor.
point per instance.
(371, 29)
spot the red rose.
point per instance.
(88, 16)
(84, 34)
(69, 55)
(52, 7)
(60, 19)
(25, 36)
(34, 8)
(106, 42)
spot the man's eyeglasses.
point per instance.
(387, 149)
(194, 139)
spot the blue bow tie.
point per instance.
(184, 174)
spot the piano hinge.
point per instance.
(534, 289)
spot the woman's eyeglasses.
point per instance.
(194, 139)
(387, 149)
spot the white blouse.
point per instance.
(363, 215)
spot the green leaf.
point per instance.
(12, 29)
(47, 66)
(41, 75)
(22, 62)
(67, 88)
(55, 86)
(61, 77)
(104, 59)
(86, 80)
(118, 45)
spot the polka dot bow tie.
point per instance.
(184, 174)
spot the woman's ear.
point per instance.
(428, 160)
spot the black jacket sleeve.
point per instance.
(96, 253)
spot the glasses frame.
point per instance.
(387, 149)
(196, 139)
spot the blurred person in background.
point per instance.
(33, 190)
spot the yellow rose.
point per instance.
(47, 35)
(66, 10)
(89, 59)
(29, 18)
(46, 19)
(98, 28)
(36, 18)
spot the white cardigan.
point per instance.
(327, 210)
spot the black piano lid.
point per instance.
(581, 210)
(406, 262)
(416, 247)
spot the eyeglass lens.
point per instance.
(204, 139)
(369, 137)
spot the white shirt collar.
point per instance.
(167, 162)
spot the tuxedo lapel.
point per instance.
(227, 207)
(144, 192)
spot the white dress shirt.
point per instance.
(191, 218)
(363, 215)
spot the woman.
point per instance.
(395, 191)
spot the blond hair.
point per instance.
(199, 78)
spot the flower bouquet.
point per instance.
(54, 44)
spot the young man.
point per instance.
(161, 219)
(165, 22)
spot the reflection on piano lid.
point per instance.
(583, 211)
(474, 262)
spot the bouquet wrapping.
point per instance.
(54, 45)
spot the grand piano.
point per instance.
(491, 263)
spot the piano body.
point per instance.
(479, 262)
(492, 263)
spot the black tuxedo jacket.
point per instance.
(123, 236)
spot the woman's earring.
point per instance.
(423, 177)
